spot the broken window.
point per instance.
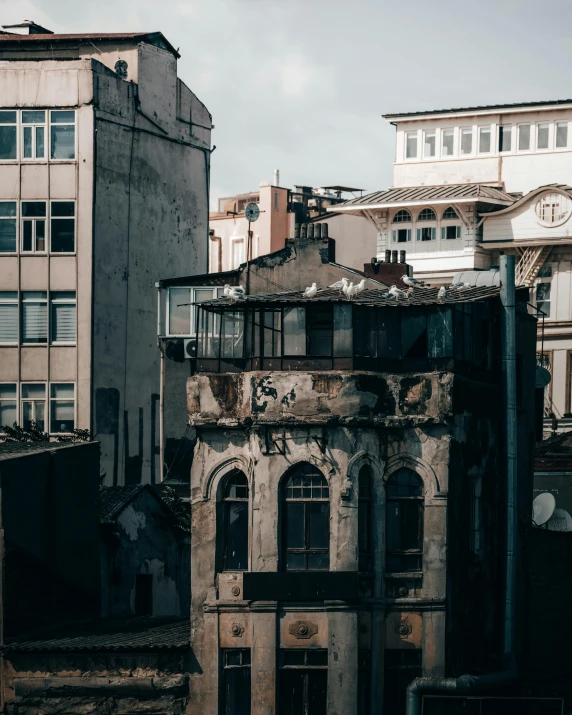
(305, 519)
(62, 227)
(343, 330)
(8, 138)
(62, 134)
(294, 331)
(303, 681)
(404, 523)
(34, 226)
(33, 134)
(401, 667)
(144, 594)
(319, 329)
(365, 521)
(236, 681)
(235, 523)
(8, 227)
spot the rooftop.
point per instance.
(9, 450)
(554, 454)
(134, 634)
(482, 108)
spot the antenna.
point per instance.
(542, 508)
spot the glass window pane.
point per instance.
(7, 142)
(34, 319)
(318, 562)
(466, 140)
(7, 209)
(292, 691)
(448, 142)
(33, 116)
(7, 116)
(8, 414)
(542, 137)
(62, 416)
(343, 330)
(8, 390)
(294, 531)
(236, 537)
(40, 143)
(62, 141)
(319, 321)
(179, 311)
(63, 232)
(33, 391)
(63, 208)
(317, 657)
(295, 562)
(27, 142)
(62, 116)
(429, 144)
(65, 390)
(7, 235)
(411, 146)
(293, 657)
(237, 691)
(319, 527)
(440, 333)
(295, 331)
(40, 235)
(524, 137)
(561, 134)
(505, 138)
(33, 209)
(484, 140)
(8, 322)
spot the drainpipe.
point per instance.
(161, 385)
(471, 683)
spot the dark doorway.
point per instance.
(236, 681)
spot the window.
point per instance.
(524, 137)
(303, 682)
(63, 227)
(450, 232)
(34, 317)
(34, 226)
(8, 404)
(411, 145)
(237, 247)
(553, 209)
(236, 681)
(365, 520)
(33, 405)
(9, 318)
(450, 213)
(505, 138)
(235, 523)
(8, 227)
(33, 134)
(428, 144)
(447, 143)
(306, 520)
(427, 215)
(404, 521)
(215, 254)
(294, 331)
(181, 315)
(143, 594)
(62, 407)
(62, 134)
(561, 135)
(427, 233)
(542, 131)
(319, 329)
(8, 129)
(401, 235)
(62, 317)
(543, 297)
(484, 140)
(466, 140)
(271, 339)
(401, 667)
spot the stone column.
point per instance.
(434, 643)
(342, 663)
(263, 661)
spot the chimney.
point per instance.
(310, 230)
(318, 233)
(394, 256)
(276, 177)
(402, 257)
(324, 230)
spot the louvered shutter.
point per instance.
(8, 323)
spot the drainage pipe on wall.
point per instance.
(470, 683)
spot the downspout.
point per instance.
(471, 683)
(161, 386)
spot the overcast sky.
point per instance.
(300, 85)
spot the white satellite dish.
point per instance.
(252, 212)
(560, 521)
(542, 508)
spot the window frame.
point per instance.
(417, 553)
(235, 240)
(52, 400)
(481, 129)
(449, 131)
(226, 502)
(538, 125)
(566, 124)
(16, 400)
(61, 301)
(50, 123)
(34, 220)
(408, 135)
(34, 126)
(464, 131)
(192, 309)
(16, 124)
(530, 137)
(57, 218)
(308, 672)
(33, 401)
(16, 220)
(243, 667)
(428, 134)
(502, 130)
(41, 301)
(14, 301)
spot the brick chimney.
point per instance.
(391, 270)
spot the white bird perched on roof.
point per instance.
(397, 292)
(311, 291)
(412, 282)
(340, 285)
(351, 290)
(461, 286)
(234, 292)
(226, 289)
(442, 293)
(360, 286)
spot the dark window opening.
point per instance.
(401, 667)
(414, 334)
(450, 232)
(306, 520)
(404, 524)
(235, 523)
(319, 329)
(365, 521)
(302, 682)
(236, 681)
(144, 594)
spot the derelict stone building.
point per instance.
(348, 495)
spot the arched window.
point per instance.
(305, 520)
(427, 215)
(235, 522)
(365, 503)
(404, 523)
(450, 214)
(401, 235)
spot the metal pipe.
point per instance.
(470, 683)
(161, 417)
(394, 256)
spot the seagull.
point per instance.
(442, 294)
(234, 293)
(412, 281)
(396, 292)
(461, 286)
(360, 286)
(226, 290)
(409, 292)
(311, 291)
(352, 290)
(345, 288)
(340, 285)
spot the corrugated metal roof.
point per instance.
(481, 108)
(370, 296)
(428, 194)
(152, 38)
(135, 634)
(9, 450)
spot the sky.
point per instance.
(300, 85)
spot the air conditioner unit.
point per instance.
(190, 348)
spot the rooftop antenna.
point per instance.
(542, 508)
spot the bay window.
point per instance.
(8, 242)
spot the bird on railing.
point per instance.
(311, 291)
(412, 282)
(340, 285)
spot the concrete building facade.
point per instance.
(471, 184)
(104, 170)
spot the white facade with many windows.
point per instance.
(470, 184)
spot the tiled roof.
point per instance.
(9, 450)
(554, 454)
(135, 634)
(370, 296)
(152, 38)
(482, 108)
(112, 500)
(429, 194)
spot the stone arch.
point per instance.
(213, 481)
(420, 467)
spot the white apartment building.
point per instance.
(472, 183)
(104, 166)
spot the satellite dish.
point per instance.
(560, 521)
(542, 508)
(542, 377)
(252, 212)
